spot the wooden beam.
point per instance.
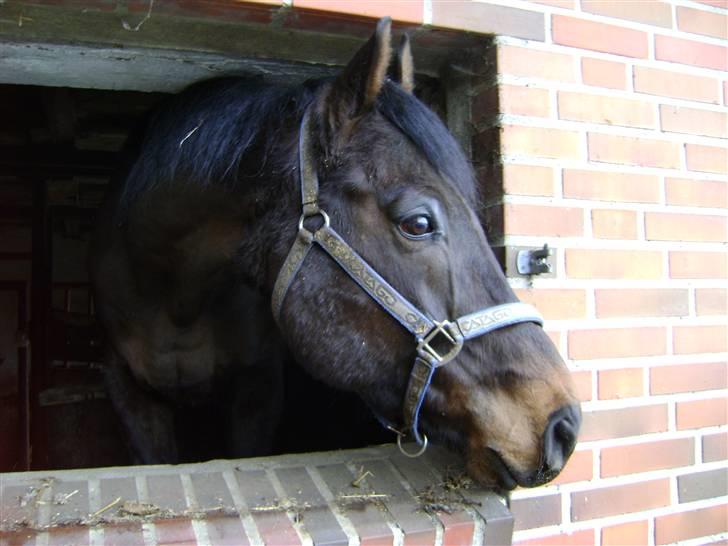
(81, 45)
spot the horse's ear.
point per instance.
(358, 85)
(403, 69)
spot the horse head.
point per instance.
(396, 191)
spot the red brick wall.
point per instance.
(613, 136)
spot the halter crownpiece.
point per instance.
(438, 342)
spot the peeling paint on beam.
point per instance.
(94, 44)
(135, 69)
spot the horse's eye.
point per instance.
(416, 226)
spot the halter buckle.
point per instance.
(444, 331)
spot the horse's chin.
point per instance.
(491, 470)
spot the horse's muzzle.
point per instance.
(559, 441)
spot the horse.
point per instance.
(335, 221)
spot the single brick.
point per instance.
(666, 226)
(702, 413)
(601, 73)
(642, 152)
(540, 142)
(711, 301)
(623, 422)
(584, 34)
(75, 500)
(614, 224)
(699, 21)
(458, 527)
(556, 303)
(181, 533)
(528, 180)
(583, 385)
(710, 159)
(613, 264)
(621, 499)
(63, 536)
(700, 339)
(566, 4)
(688, 378)
(577, 538)
(685, 264)
(653, 13)
(694, 121)
(655, 81)
(522, 61)
(524, 101)
(167, 492)
(617, 342)
(679, 50)
(575, 106)
(646, 457)
(692, 524)
(225, 531)
(114, 488)
(641, 302)
(715, 447)
(579, 468)
(486, 18)
(128, 532)
(611, 186)
(714, 3)
(555, 337)
(536, 512)
(621, 383)
(543, 220)
(210, 491)
(702, 485)
(410, 12)
(634, 533)
(696, 193)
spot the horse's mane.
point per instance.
(429, 134)
(202, 134)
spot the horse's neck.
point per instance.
(189, 241)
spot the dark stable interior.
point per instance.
(58, 148)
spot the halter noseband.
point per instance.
(427, 332)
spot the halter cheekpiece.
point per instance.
(438, 342)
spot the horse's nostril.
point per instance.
(564, 431)
(560, 437)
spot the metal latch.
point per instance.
(534, 262)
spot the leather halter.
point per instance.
(427, 332)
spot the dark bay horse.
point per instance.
(349, 205)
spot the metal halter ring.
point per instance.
(304, 217)
(417, 453)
